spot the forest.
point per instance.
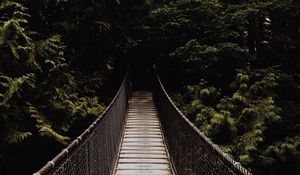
(231, 66)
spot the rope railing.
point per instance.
(94, 152)
(191, 152)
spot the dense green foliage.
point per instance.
(52, 75)
(232, 66)
(235, 67)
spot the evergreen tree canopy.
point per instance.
(232, 67)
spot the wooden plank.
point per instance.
(143, 133)
(145, 144)
(142, 129)
(141, 124)
(143, 172)
(143, 136)
(145, 119)
(131, 160)
(137, 121)
(142, 121)
(142, 118)
(142, 114)
(142, 148)
(141, 108)
(142, 151)
(144, 156)
(147, 122)
(138, 131)
(142, 166)
(130, 121)
(142, 140)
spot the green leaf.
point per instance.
(14, 137)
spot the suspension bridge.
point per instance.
(142, 133)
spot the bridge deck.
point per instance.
(143, 150)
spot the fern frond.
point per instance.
(15, 5)
(16, 86)
(8, 32)
(21, 15)
(46, 130)
(32, 61)
(14, 136)
(50, 46)
(44, 126)
(103, 26)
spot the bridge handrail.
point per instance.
(120, 102)
(227, 159)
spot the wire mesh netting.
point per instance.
(94, 152)
(191, 152)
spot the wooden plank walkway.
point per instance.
(143, 151)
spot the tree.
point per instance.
(41, 97)
(234, 62)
